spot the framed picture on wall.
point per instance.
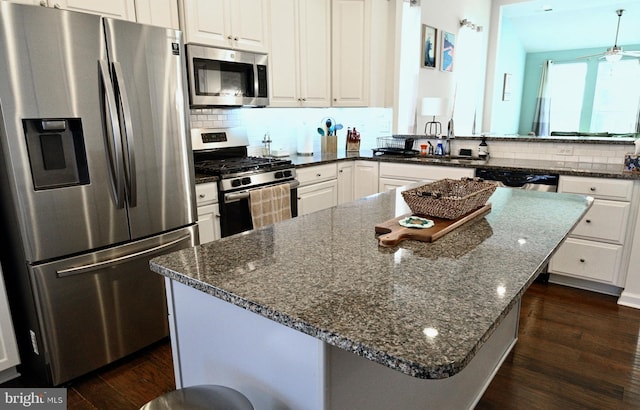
(429, 47)
(448, 47)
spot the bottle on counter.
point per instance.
(483, 149)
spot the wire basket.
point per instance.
(395, 143)
(449, 198)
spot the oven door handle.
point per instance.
(236, 196)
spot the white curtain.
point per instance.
(542, 115)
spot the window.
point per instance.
(617, 97)
(567, 91)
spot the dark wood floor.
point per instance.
(576, 350)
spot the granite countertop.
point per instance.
(325, 275)
(585, 169)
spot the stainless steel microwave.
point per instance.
(221, 77)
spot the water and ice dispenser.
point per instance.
(57, 154)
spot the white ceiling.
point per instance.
(573, 24)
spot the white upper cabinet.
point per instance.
(351, 47)
(163, 13)
(121, 9)
(236, 24)
(362, 53)
(300, 53)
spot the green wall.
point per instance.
(531, 83)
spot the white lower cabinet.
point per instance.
(588, 259)
(318, 188)
(596, 253)
(315, 197)
(366, 178)
(393, 175)
(208, 212)
(346, 180)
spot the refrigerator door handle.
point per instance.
(77, 270)
(114, 140)
(126, 112)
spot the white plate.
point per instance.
(416, 222)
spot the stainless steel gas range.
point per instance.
(222, 152)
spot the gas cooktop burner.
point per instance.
(226, 166)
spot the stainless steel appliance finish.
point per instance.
(220, 77)
(520, 179)
(96, 179)
(223, 153)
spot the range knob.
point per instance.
(235, 183)
(279, 174)
(246, 181)
(287, 173)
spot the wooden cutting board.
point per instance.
(392, 233)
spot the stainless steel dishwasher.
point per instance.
(522, 180)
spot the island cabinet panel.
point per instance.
(277, 367)
(597, 252)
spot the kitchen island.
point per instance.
(311, 313)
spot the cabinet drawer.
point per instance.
(206, 193)
(422, 172)
(605, 220)
(588, 260)
(317, 173)
(604, 188)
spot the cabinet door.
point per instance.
(209, 223)
(350, 26)
(248, 24)
(387, 184)
(315, 53)
(163, 13)
(316, 197)
(366, 179)
(122, 9)
(207, 22)
(284, 64)
(345, 182)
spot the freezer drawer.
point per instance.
(100, 307)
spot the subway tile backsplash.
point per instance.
(287, 125)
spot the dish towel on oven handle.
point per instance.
(270, 205)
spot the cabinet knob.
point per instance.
(335, 99)
(588, 221)
(581, 260)
(304, 99)
(202, 196)
(341, 170)
(235, 38)
(318, 175)
(228, 37)
(299, 99)
(592, 189)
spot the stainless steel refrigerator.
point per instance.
(96, 178)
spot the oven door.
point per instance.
(235, 212)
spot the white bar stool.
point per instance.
(209, 397)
